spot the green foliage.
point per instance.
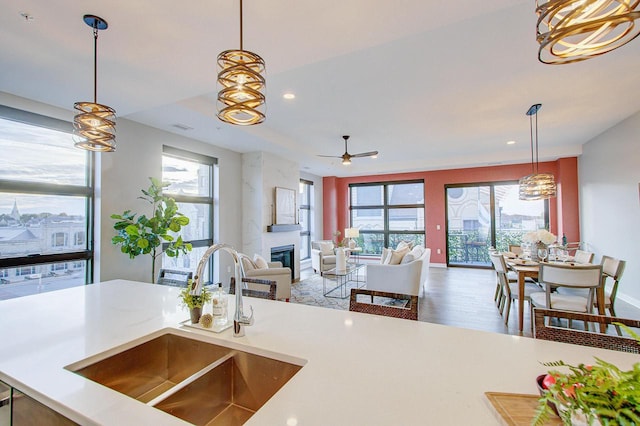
(145, 235)
(191, 301)
(600, 392)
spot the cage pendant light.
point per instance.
(571, 30)
(94, 127)
(241, 99)
(536, 186)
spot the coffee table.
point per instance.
(341, 279)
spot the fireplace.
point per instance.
(285, 254)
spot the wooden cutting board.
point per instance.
(518, 409)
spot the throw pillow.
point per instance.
(386, 254)
(409, 257)
(326, 247)
(260, 262)
(401, 245)
(397, 255)
(247, 264)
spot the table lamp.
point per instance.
(352, 233)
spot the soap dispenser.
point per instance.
(220, 303)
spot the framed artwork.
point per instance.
(285, 206)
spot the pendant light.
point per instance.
(94, 127)
(575, 30)
(241, 100)
(536, 186)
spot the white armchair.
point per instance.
(274, 272)
(322, 256)
(405, 278)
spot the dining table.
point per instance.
(530, 269)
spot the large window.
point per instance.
(488, 214)
(46, 197)
(304, 201)
(387, 213)
(190, 177)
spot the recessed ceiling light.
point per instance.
(289, 96)
(182, 126)
(511, 142)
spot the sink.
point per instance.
(197, 381)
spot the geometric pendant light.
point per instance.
(94, 125)
(571, 31)
(241, 100)
(536, 186)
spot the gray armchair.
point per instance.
(275, 272)
(323, 257)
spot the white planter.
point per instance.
(341, 260)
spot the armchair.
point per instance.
(322, 256)
(406, 278)
(274, 272)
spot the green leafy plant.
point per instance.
(139, 234)
(339, 242)
(191, 301)
(601, 393)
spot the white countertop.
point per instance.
(360, 369)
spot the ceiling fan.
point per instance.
(346, 157)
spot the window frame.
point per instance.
(305, 209)
(46, 188)
(385, 207)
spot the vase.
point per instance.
(534, 250)
(196, 313)
(341, 260)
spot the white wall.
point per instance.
(126, 171)
(316, 205)
(609, 173)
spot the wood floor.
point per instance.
(463, 297)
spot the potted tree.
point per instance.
(139, 234)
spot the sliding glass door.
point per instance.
(486, 215)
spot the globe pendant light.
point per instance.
(536, 186)
(94, 127)
(575, 30)
(241, 100)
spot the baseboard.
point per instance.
(630, 300)
(437, 265)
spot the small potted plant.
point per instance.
(195, 303)
(599, 394)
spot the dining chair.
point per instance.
(545, 331)
(510, 290)
(263, 289)
(612, 270)
(174, 277)
(573, 277)
(408, 311)
(515, 249)
(583, 257)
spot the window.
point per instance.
(79, 238)
(46, 196)
(488, 214)
(387, 213)
(305, 197)
(191, 184)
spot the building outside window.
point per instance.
(46, 195)
(387, 213)
(191, 184)
(305, 217)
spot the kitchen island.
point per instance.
(358, 368)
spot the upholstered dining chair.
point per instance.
(544, 330)
(515, 249)
(587, 277)
(612, 270)
(409, 311)
(583, 257)
(509, 287)
(263, 289)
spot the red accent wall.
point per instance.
(563, 215)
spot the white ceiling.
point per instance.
(430, 84)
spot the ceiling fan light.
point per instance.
(571, 31)
(346, 161)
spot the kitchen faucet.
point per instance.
(239, 319)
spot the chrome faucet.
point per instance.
(239, 319)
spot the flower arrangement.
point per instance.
(599, 394)
(191, 301)
(539, 236)
(339, 242)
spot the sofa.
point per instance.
(409, 276)
(273, 271)
(323, 257)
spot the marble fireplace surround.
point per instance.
(261, 173)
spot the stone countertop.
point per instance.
(360, 368)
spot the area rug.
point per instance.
(309, 292)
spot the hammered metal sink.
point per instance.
(200, 382)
